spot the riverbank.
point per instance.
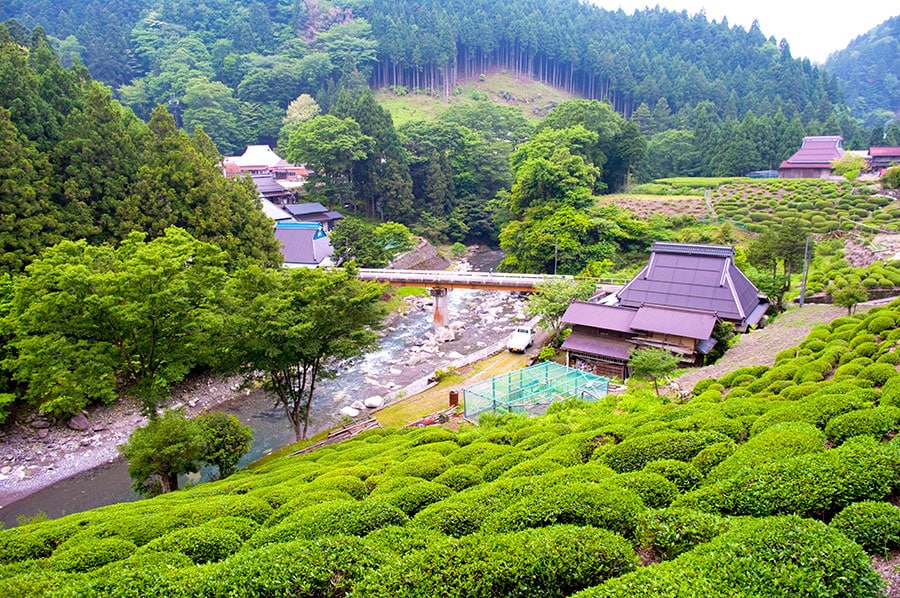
(39, 454)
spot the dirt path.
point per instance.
(760, 346)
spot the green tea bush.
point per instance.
(813, 485)
(673, 531)
(866, 349)
(351, 485)
(352, 518)
(654, 490)
(890, 393)
(874, 525)
(433, 434)
(479, 453)
(415, 497)
(90, 554)
(775, 443)
(493, 470)
(204, 544)
(531, 467)
(605, 506)
(879, 324)
(460, 477)
(712, 455)
(303, 499)
(139, 576)
(465, 512)
(891, 357)
(553, 562)
(703, 385)
(634, 454)
(876, 422)
(684, 475)
(878, 373)
(778, 556)
(327, 568)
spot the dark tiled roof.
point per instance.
(684, 277)
(597, 345)
(267, 186)
(664, 320)
(305, 209)
(582, 313)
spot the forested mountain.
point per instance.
(249, 60)
(75, 164)
(869, 71)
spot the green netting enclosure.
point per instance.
(533, 389)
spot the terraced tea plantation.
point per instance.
(771, 481)
(823, 206)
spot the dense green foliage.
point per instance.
(727, 494)
(868, 66)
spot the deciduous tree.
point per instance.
(653, 364)
(157, 453)
(293, 327)
(225, 440)
(552, 298)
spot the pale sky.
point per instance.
(813, 29)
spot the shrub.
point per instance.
(465, 512)
(204, 544)
(878, 373)
(554, 561)
(879, 324)
(90, 554)
(702, 385)
(876, 422)
(866, 349)
(352, 485)
(890, 393)
(325, 568)
(874, 525)
(813, 485)
(352, 518)
(139, 576)
(778, 556)
(712, 455)
(673, 531)
(606, 506)
(415, 497)
(777, 442)
(460, 477)
(684, 475)
(634, 453)
(654, 490)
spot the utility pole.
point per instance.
(555, 255)
(805, 270)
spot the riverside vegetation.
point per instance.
(772, 481)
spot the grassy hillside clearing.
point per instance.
(533, 98)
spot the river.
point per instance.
(359, 379)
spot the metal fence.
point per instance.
(532, 389)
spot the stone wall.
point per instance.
(424, 256)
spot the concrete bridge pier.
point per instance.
(441, 306)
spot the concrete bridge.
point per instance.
(440, 282)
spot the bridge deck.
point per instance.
(493, 281)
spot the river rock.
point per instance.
(374, 402)
(349, 411)
(444, 334)
(358, 405)
(40, 424)
(79, 422)
(395, 371)
(454, 355)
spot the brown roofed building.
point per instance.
(813, 159)
(883, 157)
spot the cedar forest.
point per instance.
(129, 262)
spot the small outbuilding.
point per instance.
(304, 244)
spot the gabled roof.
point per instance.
(303, 243)
(584, 313)
(696, 278)
(305, 209)
(272, 211)
(267, 186)
(256, 155)
(598, 345)
(816, 152)
(665, 320)
(884, 152)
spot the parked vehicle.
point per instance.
(520, 340)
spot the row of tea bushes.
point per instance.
(771, 481)
(823, 206)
